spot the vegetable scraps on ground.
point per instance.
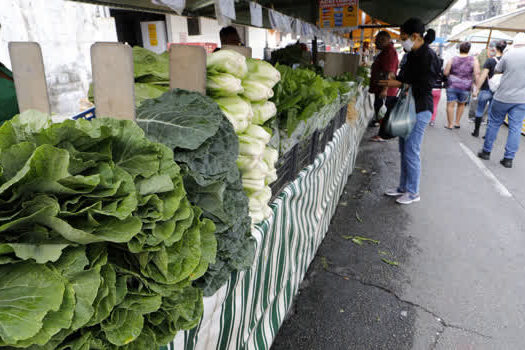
(100, 245)
(206, 147)
(248, 108)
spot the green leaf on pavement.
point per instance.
(390, 262)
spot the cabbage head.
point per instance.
(263, 111)
(227, 61)
(223, 84)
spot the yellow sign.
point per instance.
(338, 13)
(152, 32)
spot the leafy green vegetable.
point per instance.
(99, 243)
(360, 240)
(262, 72)
(149, 66)
(258, 80)
(211, 176)
(256, 91)
(237, 110)
(227, 61)
(224, 84)
(263, 111)
(390, 262)
(300, 94)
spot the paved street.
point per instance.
(461, 253)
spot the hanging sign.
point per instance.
(338, 13)
(225, 12)
(256, 14)
(152, 34)
(176, 5)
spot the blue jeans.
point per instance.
(410, 149)
(497, 114)
(485, 96)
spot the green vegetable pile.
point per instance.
(99, 244)
(242, 87)
(300, 94)
(206, 148)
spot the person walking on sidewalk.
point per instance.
(385, 65)
(509, 100)
(462, 72)
(420, 72)
(483, 86)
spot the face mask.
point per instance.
(408, 45)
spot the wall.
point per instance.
(257, 41)
(178, 30)
(65, 31)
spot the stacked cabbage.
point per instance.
(242, 87)
(99, 245)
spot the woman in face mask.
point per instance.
(420, 72)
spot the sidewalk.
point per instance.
(460, 253)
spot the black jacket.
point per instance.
(421, 70)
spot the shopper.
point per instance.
(385, 66)
(436, 93)
(420, 72)
(485, 93)
(462, 73)
(509, 100)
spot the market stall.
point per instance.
(190, 215)
(185, 207)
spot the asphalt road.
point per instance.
(460, 279)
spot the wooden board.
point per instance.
(339, 63)
(188, 68)
(243, 50)
(29, 76)
(113, 80)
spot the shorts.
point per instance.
(457, 95)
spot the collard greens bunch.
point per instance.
(206, 147)
(99, 245)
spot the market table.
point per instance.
(248, 311)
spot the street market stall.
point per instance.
(185, 207)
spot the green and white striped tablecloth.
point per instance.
(247, 312)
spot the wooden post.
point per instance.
(243, 50)
(113, 80)
(488, 41)
(29, 76)
(188, 68)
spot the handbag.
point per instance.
(403, 116)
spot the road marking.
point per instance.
(497, 184)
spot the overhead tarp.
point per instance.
(398, 11)
(510, 23)
(389, 11)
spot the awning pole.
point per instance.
(488, 41)
(314, 51)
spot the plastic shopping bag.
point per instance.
(403, 116)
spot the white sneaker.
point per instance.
(394, 193)
(409, 198)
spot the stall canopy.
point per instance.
(393, 12)
(511, 23)
(397, 12)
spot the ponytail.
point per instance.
(430, 36)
